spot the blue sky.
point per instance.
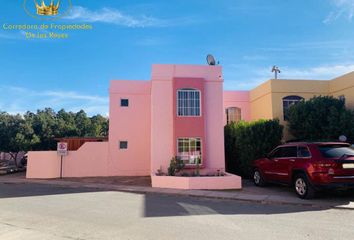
(307, 39)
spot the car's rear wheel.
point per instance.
(258, 178)
(303, 187)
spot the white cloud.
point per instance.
(114, 16)
(20, 100)
(343, 8)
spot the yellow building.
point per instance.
(271, 99)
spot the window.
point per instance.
(288, 102)
(303, 152)
(284, 152)
(276, 153)
(233, 114)
(335, 151)
(123, 144)
(189, 150)
(188, 102)
(124, 102)
(289, 152)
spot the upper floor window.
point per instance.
(288, 102)
(188, 102)
(233, 114)
(124, 102)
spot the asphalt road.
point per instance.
(38, 211)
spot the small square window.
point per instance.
(124, 102)
(123, 144)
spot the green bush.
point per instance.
(321, 118)
(176, 165)
(248, 141)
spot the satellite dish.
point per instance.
(211, 60)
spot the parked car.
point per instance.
(9, 166)
(308, 167)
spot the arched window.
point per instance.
(188, 102)
(233, 114)
(288, 102)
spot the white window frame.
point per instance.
(178, 107)
(189, 147)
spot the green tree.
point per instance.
(83, 124)
(16, 134)
(99, 126)
(44, 124)
(321, 118)
(37, 131)
(66, 125)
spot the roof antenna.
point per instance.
(276, 70)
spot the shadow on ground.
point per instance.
(16, 190)
(166, 206)
(163, 205)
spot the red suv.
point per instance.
(308, 167)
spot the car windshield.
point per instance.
(335, 151)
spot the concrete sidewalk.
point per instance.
(249, 193)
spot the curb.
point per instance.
(235, 196)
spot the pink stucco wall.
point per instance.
(43, 164)
(226, 182)
(88, 161)
(162, 142)
(191, 126)
(132, 124)
(214, 131)
(240, 99)
(162, 115)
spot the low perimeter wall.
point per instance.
(225, 182)
(90, 160)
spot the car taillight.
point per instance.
(322, 165)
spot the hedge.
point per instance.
(322, 118)
(248, 141)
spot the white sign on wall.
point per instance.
(62, 148)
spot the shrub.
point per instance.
(176, 165)
(248, 141)
(321, 118)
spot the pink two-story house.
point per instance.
(180, 112)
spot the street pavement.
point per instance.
(42, 211)
(274, 194)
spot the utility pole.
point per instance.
(276, 70)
